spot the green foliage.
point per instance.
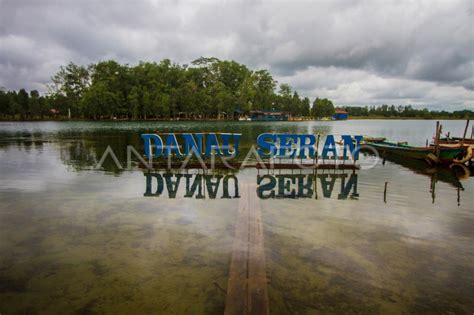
(70, 83)
(407, 111)
(4, 103)
(322, 108)
(207, 88)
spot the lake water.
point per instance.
(74, 239)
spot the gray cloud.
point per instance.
(356, 52)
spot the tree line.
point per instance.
(208, 88)
(392, 111)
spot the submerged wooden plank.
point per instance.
(236, 300)
(257, 285)
(247, 284)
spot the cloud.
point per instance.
(360, 87)
(356, 52)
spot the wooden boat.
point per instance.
(461, 159)
(455, 140)
(446, 153)
(373, 139)
(365, 140)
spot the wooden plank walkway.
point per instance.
(247, 285)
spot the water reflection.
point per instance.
(269, 186)
(306, 185)
(196, 185)
(443, 174)
(81, 241)
(452, 175)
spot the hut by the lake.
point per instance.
(268, 115)
(340, 114)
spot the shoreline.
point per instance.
(223, 120)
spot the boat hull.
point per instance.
(456, 141)
(446, 155)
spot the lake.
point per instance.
(76, 239)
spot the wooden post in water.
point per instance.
(438, 129)
(317, 150)
(459, 197)
(247, 285)
(465, 132)
(433, 187)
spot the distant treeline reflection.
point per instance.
(269, 186)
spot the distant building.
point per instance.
(268, 115)
(340, 114)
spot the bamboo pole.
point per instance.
(317, 149)
(465, 132)
(437, 139)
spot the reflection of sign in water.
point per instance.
(197, 185)
(201, 186)
(306, 185)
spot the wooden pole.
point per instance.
(437, 139)
(433, 187)
(465, 132)
(459, 197)
(317, 148)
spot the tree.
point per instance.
(133, 99)
(264, 86)
(34, 103)
(115, 79)
(14, 107)
(23, 102)
(4, 103)
(71, 82)
(317, 110)
(98, 101)
(284, 101)
(206, 88)
(322, 108)
(329, 108)
(305, 107)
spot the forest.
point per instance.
(407, 111)
(208, 88)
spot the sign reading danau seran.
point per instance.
(269, 145)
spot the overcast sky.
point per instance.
(353, 52)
